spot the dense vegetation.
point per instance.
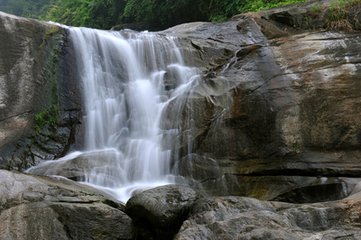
(152, 14)
(159, 14)
(26, 8)
(344, 15)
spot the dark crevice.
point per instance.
(75, 202)
(207, 180)
(302, 173)
(216, 40)
(316, 193)
(196, 46)
(16, 115)
(113, 204)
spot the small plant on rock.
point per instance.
(342, 15)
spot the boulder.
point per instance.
(161, 210)
(44, 208)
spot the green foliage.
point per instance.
(49, 33)
(258, 5)
(26, 8)
(46, 118)
(170, 12)
(339, 14)
(68, 12)
(316, 9)
(89, 13)
(152, 14)
(222, 10)
(163, 13)
(337, 9)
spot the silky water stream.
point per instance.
(125, 78)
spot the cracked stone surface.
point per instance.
(34, 80)
(277, 110)
(44, 208)
(247, 218)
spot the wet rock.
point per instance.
(43, 208)
(317, 193)
(274, 114)
(198, 167)
(274, 111)
(34, 96)
(78, 165)
(161, 210)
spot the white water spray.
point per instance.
(124, 91)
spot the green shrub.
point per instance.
(258, 5)
(340, 14)
(47, 118)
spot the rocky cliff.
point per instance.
(277, 113)
(275, 116)
(37, 95)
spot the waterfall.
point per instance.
(127, 79)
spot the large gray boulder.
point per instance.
(159, 212)
(44, 208)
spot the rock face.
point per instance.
(275, 115)
(38, 109)
(277, 111)
(44, 208)
(247, 218)
(78, 166)
(159, 212)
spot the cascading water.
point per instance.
(124, 90)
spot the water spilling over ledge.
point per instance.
(128, 79)
(291, 133)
